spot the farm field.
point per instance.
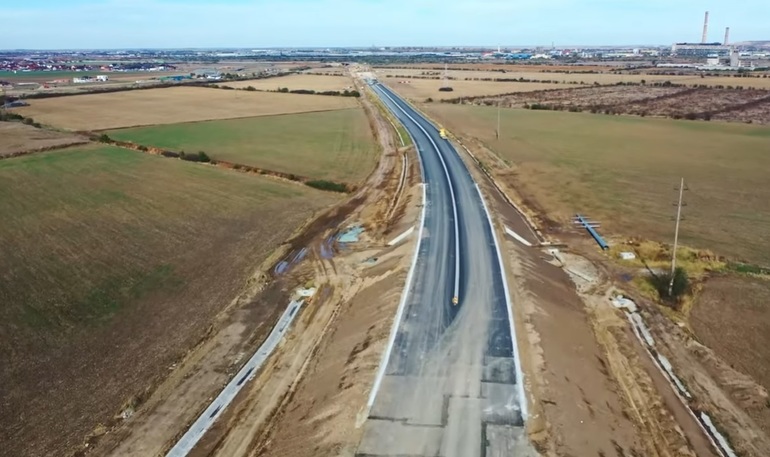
(317, 83)
(422, 89)
(578, 78)
(116, 261)
(622, 171)
(731, 316)
(170, 106)
(17, 138)
(332, 145)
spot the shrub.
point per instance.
(691, 116)
(323, 184)
(250, 88)
(142, 148)
(203, 157)
(6, 116)
(104, 138)
(681, 285)
(28, 121)
(429, 100)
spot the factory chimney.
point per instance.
(727, 36)
(705, 28)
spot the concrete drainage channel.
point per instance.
(644, 336)
(209, 416)
(249, 370)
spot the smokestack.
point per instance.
(727, 36)
(705, 28)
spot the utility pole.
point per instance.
(676, 237)
(497, 132)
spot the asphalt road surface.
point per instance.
(451, 386)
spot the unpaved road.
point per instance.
(452, 383)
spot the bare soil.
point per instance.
(736, 402)
(170, 106)
(18, 139)
(309, 403)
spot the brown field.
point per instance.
(621, 171)
(116, 264)
(170, 106)
(732, 317)
(579, 78)
(421, 89)
(750, 105)
(506, 67)
(293, 82)
(19, 138)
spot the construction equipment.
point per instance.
(455, 301)
(442, 133)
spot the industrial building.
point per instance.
(704, 49)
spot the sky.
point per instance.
(113, 24)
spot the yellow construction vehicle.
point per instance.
(442, 133)
(455, 300)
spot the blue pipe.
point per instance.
(602, 244)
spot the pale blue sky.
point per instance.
(57, 24)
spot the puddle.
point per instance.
(351, 234)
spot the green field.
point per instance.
(333, 145)
(114, 261)
(622, 171)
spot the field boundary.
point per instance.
(27, 152)
(287, 177)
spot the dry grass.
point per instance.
(117, 263)
(421, 89)
(317, 83)
(19, 138)
(749, 105)
(170, 106)
(587, 79)
(622, 171)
